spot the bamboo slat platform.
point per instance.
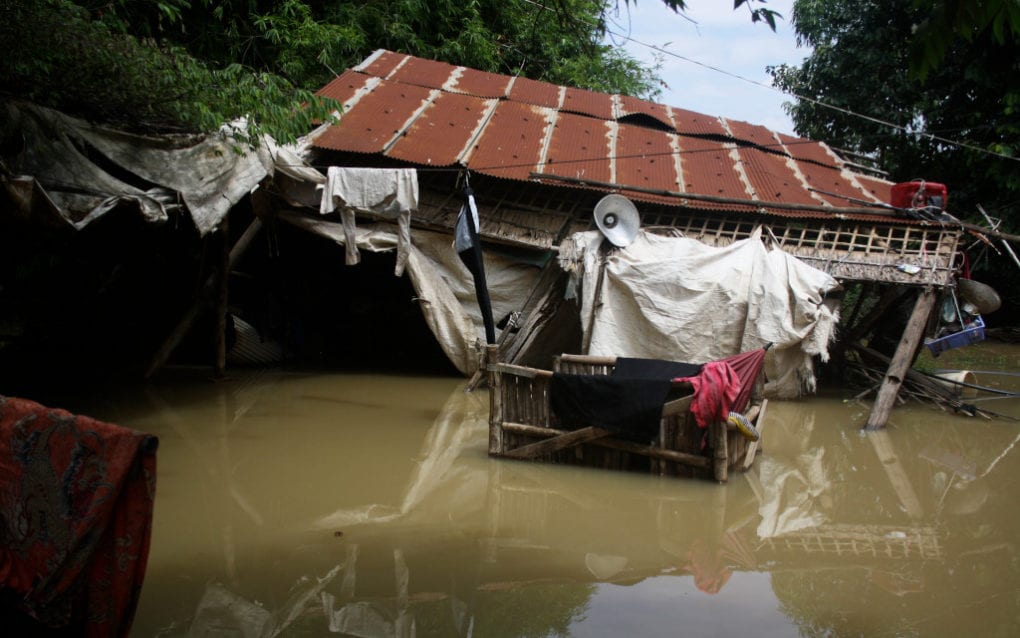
(522, 426)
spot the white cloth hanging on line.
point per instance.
(388, 193)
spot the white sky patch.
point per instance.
(712, 33)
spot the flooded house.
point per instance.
(165, 218)
(123, 253)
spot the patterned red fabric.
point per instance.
(724, 386)
(76, 498)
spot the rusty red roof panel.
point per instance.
(753, 133)
(646, 158)
(511, 142)
(810, 150)
(535, 92)
(838, 190)
(375, 119)
(691, 123)
(580, 148)
(381, 63)
(708, 169)
(344, 86)
(634, 106)
(597, 105)
(772, 178)
(482, 84)
(880, 189)
(442, 131)
(427, 113)
(421, 72)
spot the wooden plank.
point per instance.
(616, 444)
(558, 442)
(676, 406)
(901, 360)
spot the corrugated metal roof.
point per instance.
(432, 113)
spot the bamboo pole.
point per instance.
(901, 360)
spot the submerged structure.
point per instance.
(745, 206)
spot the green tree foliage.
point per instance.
(194, 64)
(939, 71)
(114, 63)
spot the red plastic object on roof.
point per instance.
(919, 194)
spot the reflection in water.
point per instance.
(291, 505)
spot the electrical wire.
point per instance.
(839, 109)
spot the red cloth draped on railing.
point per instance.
(724, 386)
(76, 498)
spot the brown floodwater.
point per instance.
(314, 504)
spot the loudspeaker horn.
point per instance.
(617, 219)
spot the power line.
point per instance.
(874, 120)
(839, 109)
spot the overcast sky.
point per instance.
(712, 33)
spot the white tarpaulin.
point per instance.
(677, 298)
(444, 287)
(86, 170)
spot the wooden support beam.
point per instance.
(557, 443)
(901, 360)
(185, 322)
(616, 444)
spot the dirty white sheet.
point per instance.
(677, 298)
(83, 168)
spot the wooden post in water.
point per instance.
(721, 445)
(222, 287)
(901, 360)
(495, 403)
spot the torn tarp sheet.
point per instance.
(86, 170)
(677, 298)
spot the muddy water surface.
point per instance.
(299, 504)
